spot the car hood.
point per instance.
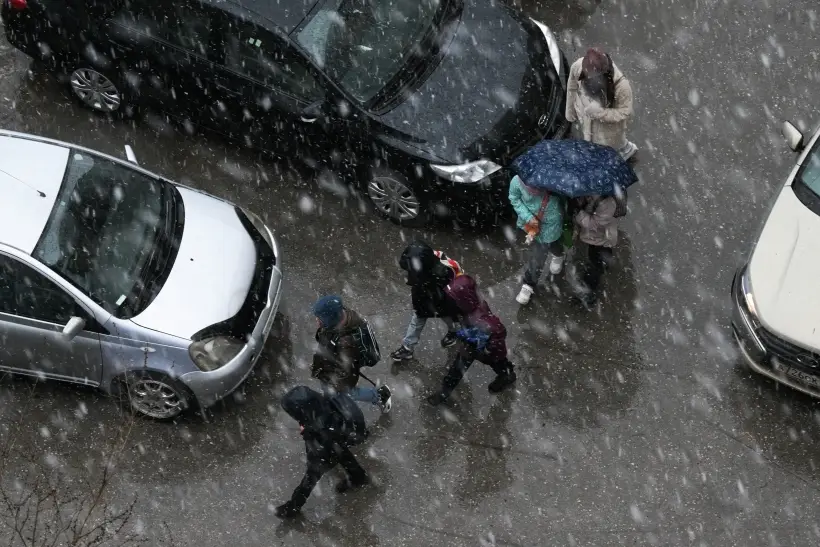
(485, 97)
(783, 272)
(212, 274)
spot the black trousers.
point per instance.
(319, 463)
(464, 359)
(598, 260)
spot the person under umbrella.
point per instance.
(540, 214)
(597, 226)
(600, 96)
(330, 426)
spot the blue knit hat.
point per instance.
(329, 310)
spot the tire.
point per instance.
(395, 198)
(148, 394)
(102, 91)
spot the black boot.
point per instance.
(347, 484)
(502, 381)
(449, 340)
(436, 399)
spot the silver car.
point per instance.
(114, 277)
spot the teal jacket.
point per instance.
(527, 205)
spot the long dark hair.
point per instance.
(600, 85)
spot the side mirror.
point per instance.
(73, 328)
(129, 154)
(313, 111)
(793, 136)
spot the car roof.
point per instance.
(31, 173)
(285, 14)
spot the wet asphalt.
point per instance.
(633, 426)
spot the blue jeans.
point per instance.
(413, 335)
(358, 394)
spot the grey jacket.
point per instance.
(596, 222)
(609, 128)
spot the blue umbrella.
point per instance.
(574, 168)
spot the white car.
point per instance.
(776, 318)
(114, 277)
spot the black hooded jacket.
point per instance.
(427, 277)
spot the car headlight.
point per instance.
(212, 353)
(552, 44)
(746, 289)
(470, 172)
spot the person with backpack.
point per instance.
(483, 338)
(330, 426)
(600, 96)
(346, 343)
(541, 215)
(428, 273)
(596, 220)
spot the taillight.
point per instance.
(18, 4)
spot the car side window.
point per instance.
(257, 54)
(179, 24)
(27, 293)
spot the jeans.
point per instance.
(599, 259)
(358, 394)
(464, 359)
(537, 256)
(413, 335)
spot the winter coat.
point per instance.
(475, 313)
(596, 222)
(427, 278)
(327, 424)
(338, 358)
(527, 203)
(610, 127)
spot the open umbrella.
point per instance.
(574, 168)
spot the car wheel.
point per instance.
(395, 198)
(155, 395)
(99, 91)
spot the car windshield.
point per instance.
(104, 231)
(807, 184)
(362, 44)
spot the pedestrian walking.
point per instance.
(482, 337)
(330, 426)
(541, 215)
(346, 343)
(597, 224)
(600, 96)
(428, 274)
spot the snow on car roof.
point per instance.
(31, 173)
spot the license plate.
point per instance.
(801, 376)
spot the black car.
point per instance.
(425, 101)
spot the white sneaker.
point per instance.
(628, 150)
(556, 264)
(525, 295)
(385, 399)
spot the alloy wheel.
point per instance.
(95, 90)
(393, 198)
(155, 398)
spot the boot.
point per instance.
(348, 484)
(502, 381)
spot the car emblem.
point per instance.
(542, 121)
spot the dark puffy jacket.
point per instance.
(427, 278)
(338, 358)
(325, 419)
(475, 313)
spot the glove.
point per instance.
(287, 510)
(594, 110)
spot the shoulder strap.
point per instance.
(544, 202)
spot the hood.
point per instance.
(783, 272)
(305, 406)
(463, 291)
(212, 274)
(418, 260)
(486, 95)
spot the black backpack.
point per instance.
(346, 423)
(365, 339)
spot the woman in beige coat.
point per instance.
(600, 97)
